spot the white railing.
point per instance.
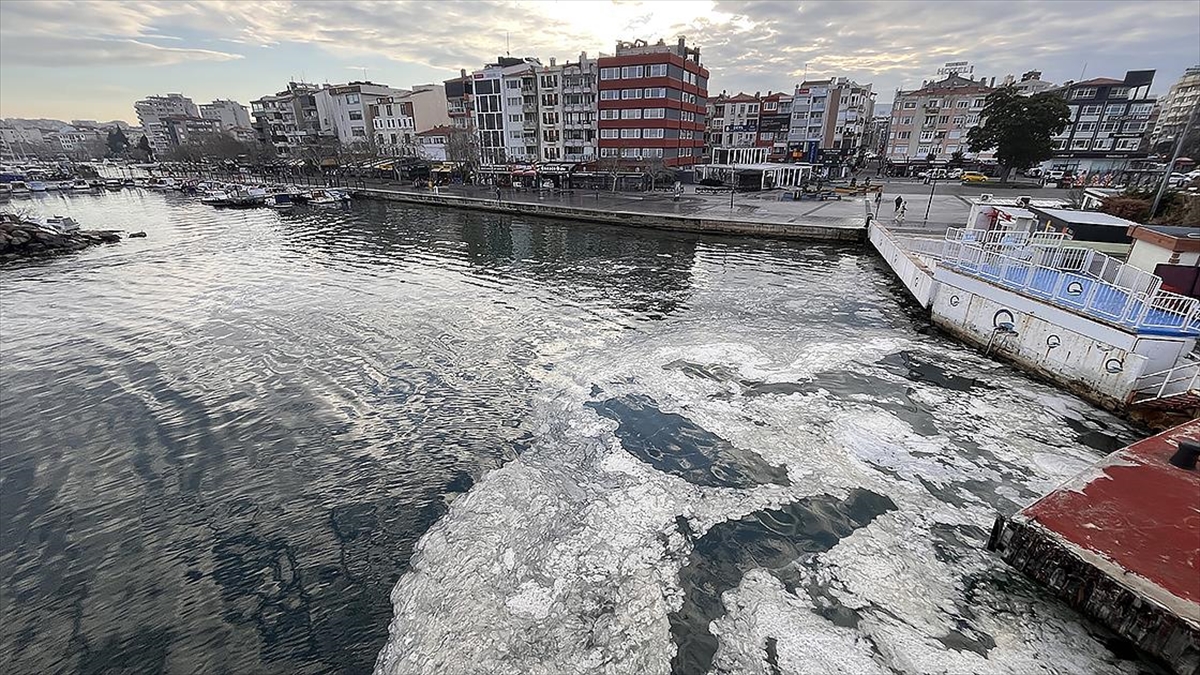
(1182, 379)
(1076, 278)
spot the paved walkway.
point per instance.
(753, 207)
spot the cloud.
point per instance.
(57, 52)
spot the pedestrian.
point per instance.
(497, 192)
(878, 199)
(899, 201)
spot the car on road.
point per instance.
(973, 177)
(1055, 175)
(955, 173)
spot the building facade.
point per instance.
(345, 110)
(1031, 83)
(1176, 107)
(829, 121)
(395, 128)
(1109, 119)
(182, 128)
(151, 112)
(505, 108)
(288, 121)
(431, 143)
(229, 114)
(934, 120)
(567, 95)
(458, 101)
(652, 103)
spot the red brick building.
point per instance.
(652, 103)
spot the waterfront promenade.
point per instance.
(763, 213)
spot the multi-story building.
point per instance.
(71, 140)
(21, 142)
(1176, 107)
(877, 129)
(1109, 118)
(934, 120)
(230, 114)
(396, 120)
(653, 102)
(505, 103)
(153, 109)
(458, 101)
(567, 95)
(774, 121)
(749, 121)
(288, 121)
(344, 110)
(183, 128)
(829, 120)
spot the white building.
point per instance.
(431, 143)
(230, 114)
(567, 95)
(396, 120)
(151, 112)
(345, 110)
(934, 120)
(830, 115)
(505, 105)
(1031, 83)
(1180, 102)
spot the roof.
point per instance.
(1085, 217)
(1171, 237)
(437, 131)
(741, 97)
(1098, 82)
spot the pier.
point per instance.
(1120, 542)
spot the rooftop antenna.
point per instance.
(507, 46)
(805, 71)
(1081, 72)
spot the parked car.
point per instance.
(1033, 172)
(973, 177)
(1055, 175)
(955, 173)
(1177, 180)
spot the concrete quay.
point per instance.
(753, 214)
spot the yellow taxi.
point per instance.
(973, 177)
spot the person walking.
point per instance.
(878, 200)
(899, 202)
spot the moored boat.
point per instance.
(80, 184)
(37, 186)
(113, 184)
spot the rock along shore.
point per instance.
(23, 240)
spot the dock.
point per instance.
(1120, 542)
(750, 214)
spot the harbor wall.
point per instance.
(908, 268)
(660, 221)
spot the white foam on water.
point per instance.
(567, 559)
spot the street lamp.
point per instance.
(932, 187)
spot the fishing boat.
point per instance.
(246, 198)
(327, 197)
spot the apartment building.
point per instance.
(505, 107)
(182, 128)
(567, 95)
(345, 110)
(152, 111)
(1109, 118)
(396, 120)
(934, 120)
(229, 114)
(458, 101)
(652, 104)
(1031, 83)
(749, 121)
(431, 143)
(774, 124)
(288, 121)
(1176, 107)
(829, 120)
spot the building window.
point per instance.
(513, 84)
(627, 94)
(631, 114)
(351, 99)
(610, 114)
(1141, 109)
(355, 115)
(654, 92)
(653, 133)
(631, 133)
(1080, 144)
(977, 103)
(358, 131)
(1118, 92)
(610, 73)
(1128, 144)
(610, 94)
(629, 153)
(631, 72)
(610, 133)
(943, 119)
(909, 105)
(958, 119)
(654, 113)
(656, 70)
(1135, 126)
(1084, 92)
(1085, 127)
(903, 135)
(652, 152)
(962, 103)
(688, 98)
(1090, 110)
(1102, 144)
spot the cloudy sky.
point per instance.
(92, 60)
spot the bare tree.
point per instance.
(462, 148)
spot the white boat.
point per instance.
(37, 186)
(114, 184)
(80, 184)
(61, 224)
(327, 197)
(19, 187)
(281, 201)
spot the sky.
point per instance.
(91, 60)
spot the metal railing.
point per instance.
(1181, 379)
(1040, 265)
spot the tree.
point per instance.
(956, 158)
(1020, 128)
(462, 148)
(144, 146)
(118, 142)
(931, 157)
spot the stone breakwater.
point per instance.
(20, 240)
